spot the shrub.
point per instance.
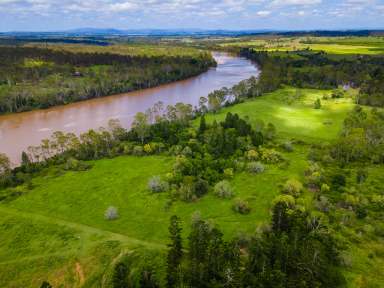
(138, 151)
(147, 149)
(76, 165)
(361, 175)
(239, 165)
(186, 193)
(111, 213)
(228, 173)
(287, 146)
(201, 187)
(325, 188)
(293, 187)
(338, 180)
(252, 155)
(241, 206)
(317, 104)
(156, 185)
(223, 189)
(270, 156)
(255, 167)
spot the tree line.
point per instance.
(32, 77)
(319, 70)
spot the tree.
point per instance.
(25, 161)
(5, 164)
(148, 278)
(141, 126)
(120, 276)
(203, 125)
(45, 284)
(175, 253)
(5, 169)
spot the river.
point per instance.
(21, 130)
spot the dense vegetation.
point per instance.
(323, 71)
(37, 77)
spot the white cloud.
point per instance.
(263, 13)
(295, 2)
(123, 7)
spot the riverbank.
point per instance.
(19, 131)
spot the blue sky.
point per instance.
(48, 15)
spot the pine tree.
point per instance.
(148, 278)
(175, 252)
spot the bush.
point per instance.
(228, 173)
(270, 156)
(293, 187)
(241, 206)
(148, 149)
(138, 151)
(111, 213)
(287, 146)
(361, 175)
(255, 167)
(201, 187)
(76, 165)
(317, 104)
(223, 189)
(156, 185)
(252, 155)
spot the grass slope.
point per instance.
(297, 120)
(57, 230)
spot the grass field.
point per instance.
(295, 119)
(57, 230)
(332, 45)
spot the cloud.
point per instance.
(295, 2)
(263, 13)
(226, 14)
(122, 7)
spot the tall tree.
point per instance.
(175, 252)
(141, 126)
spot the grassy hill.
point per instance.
(57, 230)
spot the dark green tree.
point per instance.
(45, 284)
(120, 276)
(175, 252)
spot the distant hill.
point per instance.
(105, 32)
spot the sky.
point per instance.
(57, 15)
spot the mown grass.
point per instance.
(59, 225)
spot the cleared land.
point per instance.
(59, 226)
(332, 45)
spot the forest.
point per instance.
(274, 182)
(38, 77)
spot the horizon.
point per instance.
(241, 15)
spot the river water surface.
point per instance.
(18, 131)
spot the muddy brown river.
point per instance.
(18, 131)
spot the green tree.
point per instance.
(45, 284)
(203, 125)
(148, 278)
(175, 253)
(25, 161)
(120, 276)
(141, 126)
